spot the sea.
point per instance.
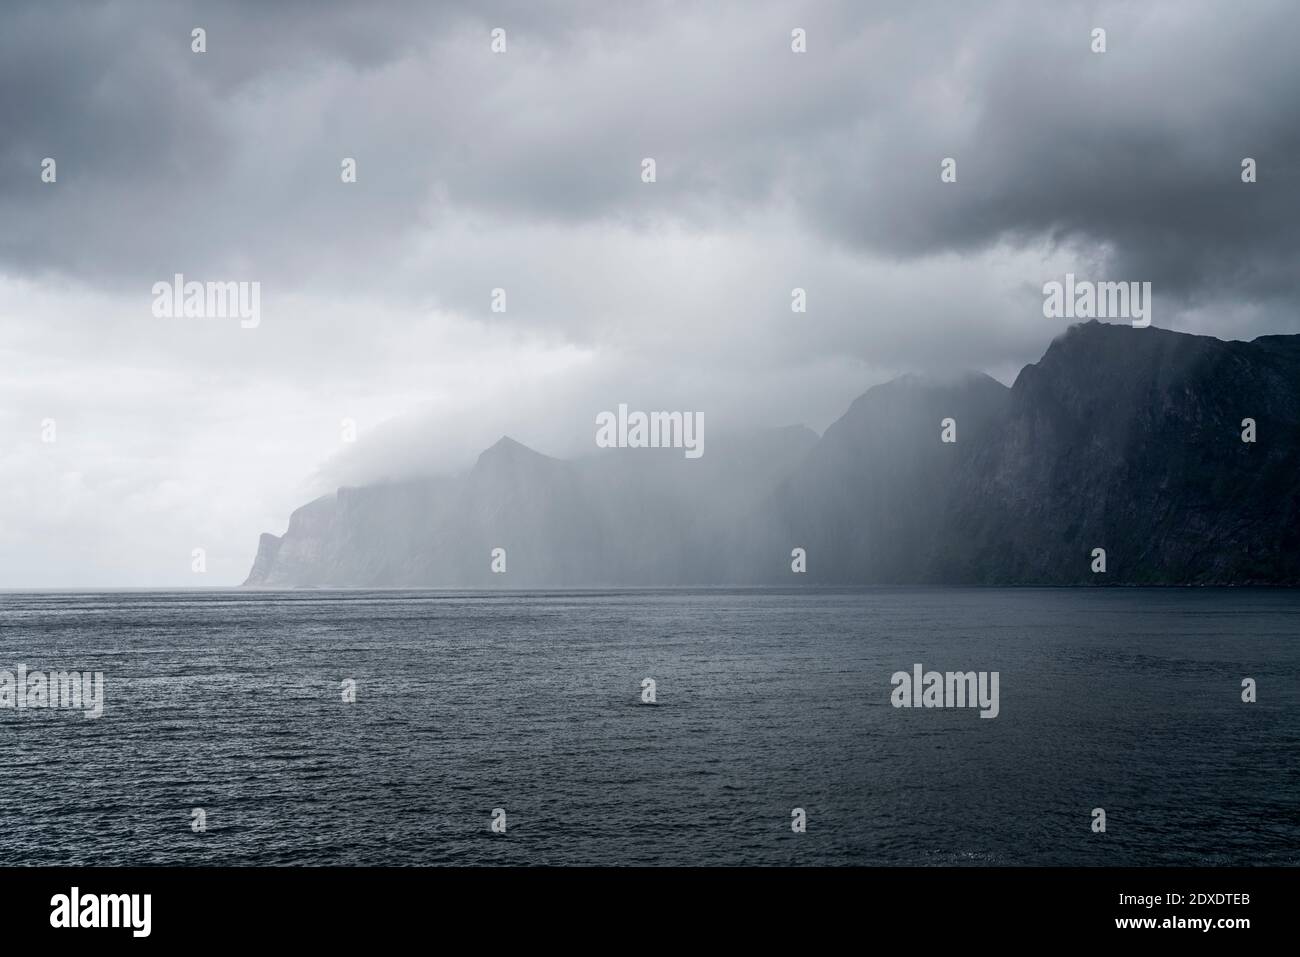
(516, 728)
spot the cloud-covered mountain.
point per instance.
(869, 502)
(626, 516)
(1128, 440)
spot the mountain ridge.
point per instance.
(1122, 439)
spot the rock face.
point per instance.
(1118, 438)
(1130, 440)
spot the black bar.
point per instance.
(636, 907)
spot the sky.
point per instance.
(129, 439)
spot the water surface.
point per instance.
(1125, 699)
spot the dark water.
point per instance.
(1124, 699)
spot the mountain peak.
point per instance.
(1116, 351)
(937, 380)
(506, 443)
(507, 451)
(1124, 336)
(910, 387)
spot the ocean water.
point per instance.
(1124, 699)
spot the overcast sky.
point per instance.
(522, 171)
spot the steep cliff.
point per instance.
(1127, 440)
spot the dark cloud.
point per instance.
(170, 159)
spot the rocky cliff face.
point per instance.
(1118, 438)
(1130, 440)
